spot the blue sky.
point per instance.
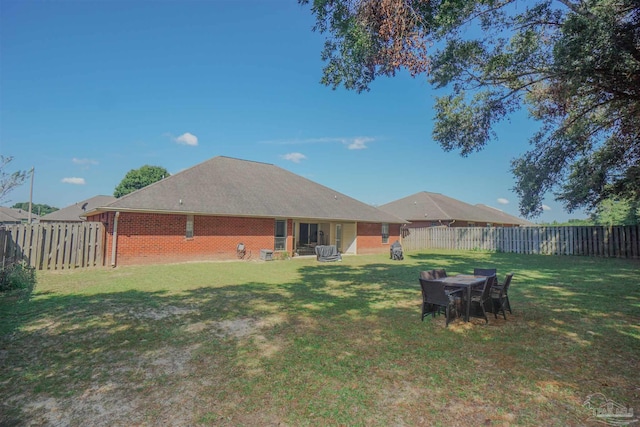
(93, 89)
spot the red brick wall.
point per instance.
(370, 238)
(145, 238)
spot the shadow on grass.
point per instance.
(350, 329)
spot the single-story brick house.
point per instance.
(424, 209)
(73, 212)
(204, 212)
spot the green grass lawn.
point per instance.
(298, 342)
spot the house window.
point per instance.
(189, 231)
(385, 233)
(280, 235)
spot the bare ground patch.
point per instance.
(156, 387)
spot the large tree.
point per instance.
(136, 179)
(574, 64)
(617, 212)
(9, 181)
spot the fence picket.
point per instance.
(597, 241)
(53, 246)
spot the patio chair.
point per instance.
(485, 271)
(481, 298)
(435, 297)
(433, 274)
(437, 274)
(427, 275)
(440, 273)
(500, 297)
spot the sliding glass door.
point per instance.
(308, 234)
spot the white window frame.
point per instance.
(189, 228)
(279, 239)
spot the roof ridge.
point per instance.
(237, 158)
(437, 205)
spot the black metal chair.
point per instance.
(500, 297)
(435, 297)
(481, 298)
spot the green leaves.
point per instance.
(136, 179)
(466, 126)
(574, 64)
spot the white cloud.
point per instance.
(294, 157)
(546, 208)
(187, 139)
(84, 162)
(503, 201)
(352, 143)
(73, 180)
(359, 143)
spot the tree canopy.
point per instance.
(9, 181)
(617, 212)
(136, 179)
(573, 64)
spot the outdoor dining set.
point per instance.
(465, 295)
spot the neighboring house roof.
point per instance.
(15, 216)
(73, 212)
(503, 217)
(234, 187)
(425, 206)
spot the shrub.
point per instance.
(17, 276)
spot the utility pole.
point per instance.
(33, 169)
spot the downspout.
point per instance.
(114, 242)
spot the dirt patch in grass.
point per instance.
(160, 313)
(158, 386)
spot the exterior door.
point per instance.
(339, 237)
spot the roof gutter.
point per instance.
(114, 242)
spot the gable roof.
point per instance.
(73, 212)
(425, 206)
(234, 187)
(13, 216)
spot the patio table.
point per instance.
(464, 281)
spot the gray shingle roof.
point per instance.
(503, 217)
(228, 186)
(425, 206)
(73, 212)
(11, 215)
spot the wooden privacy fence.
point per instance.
(619, 241)
(54, 246)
